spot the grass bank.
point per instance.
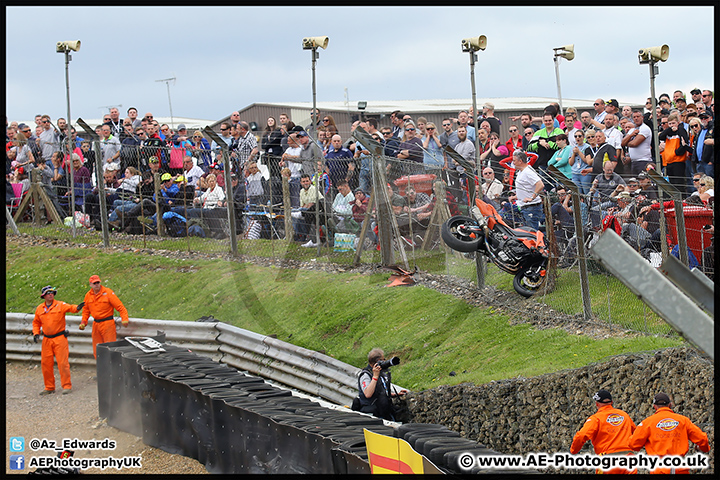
(343, 314)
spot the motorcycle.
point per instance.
(518, 251)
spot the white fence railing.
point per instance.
(296, 367)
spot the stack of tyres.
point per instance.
(435, 450)
(110, 381)
(129, 411)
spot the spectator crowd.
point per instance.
(149, 169)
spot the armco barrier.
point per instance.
(305, 370)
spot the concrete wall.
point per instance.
(541, 414)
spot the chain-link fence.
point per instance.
(347, 206)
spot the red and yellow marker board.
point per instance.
(395, 455)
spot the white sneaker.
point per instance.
(309, 244)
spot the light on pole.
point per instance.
(167, 82)
(312, 43)
(568, 53)
(66, 47)
(472, 45)
(651, 56)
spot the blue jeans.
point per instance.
(120, 207)
(706, 168)
(533, 215)
(584, 182)
(365, 180)
(294, 185)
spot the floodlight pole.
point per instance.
(313, 115)
(658, 163)
(167, 82)
(68, 57)
(480, 262)
(556, 59)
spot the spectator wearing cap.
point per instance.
(706, 146)
(489, 116)
(101, 304)
(50, 318)
(667, 433)
(180, 136)
(168, 188)
(609, 430)
(696, 95)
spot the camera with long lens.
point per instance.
(385, 364)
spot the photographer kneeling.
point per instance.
(375, 383)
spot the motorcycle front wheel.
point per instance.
(528, 281)
(455, 237)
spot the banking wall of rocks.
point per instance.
(541, 414)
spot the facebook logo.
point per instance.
(17, 444)
(17, 462)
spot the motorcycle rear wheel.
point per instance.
(527, 286)
(457, 240)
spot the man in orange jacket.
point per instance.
(609, 430)
(50, 316)
(667, 433)
(101, 303)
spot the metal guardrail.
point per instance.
(296, 367)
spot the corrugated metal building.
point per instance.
(434, 110)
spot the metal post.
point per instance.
(313, 115)
(556, 59)
(658, 163)
(228, 185)
(580, 238)
(480, 263)
(69, 142)
(101, 193)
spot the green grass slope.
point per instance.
(342, 314)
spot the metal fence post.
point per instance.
(228, 185)
(676, 197)
(580, 238)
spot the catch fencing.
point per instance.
(266, 220)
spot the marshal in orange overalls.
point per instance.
(609, 430)
(52, 321)
(101, 303)
(667, 433)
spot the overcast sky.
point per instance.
(227, 58)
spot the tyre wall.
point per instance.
(541, 414)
